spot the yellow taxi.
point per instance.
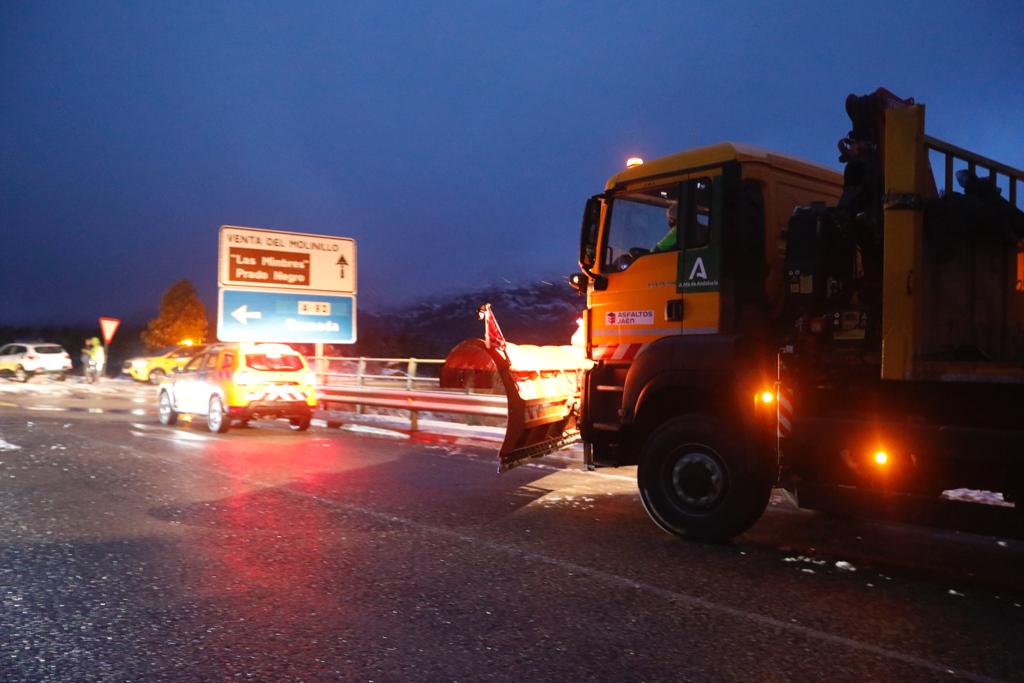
(229, 383)
(154, 369)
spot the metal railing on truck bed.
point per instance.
(949, 155)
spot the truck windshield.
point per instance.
(640, 225)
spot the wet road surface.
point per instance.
(131, 551)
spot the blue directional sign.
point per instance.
(249, 315)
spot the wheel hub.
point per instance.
(698, 479)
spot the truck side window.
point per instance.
(640, 223)
(698, 224)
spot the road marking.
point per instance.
(575, 569)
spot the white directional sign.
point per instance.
(285, 286)
(272, 259)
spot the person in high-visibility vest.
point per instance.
(97, 356)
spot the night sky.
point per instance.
(455, 141)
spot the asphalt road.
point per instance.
(131, 551)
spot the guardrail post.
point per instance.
(410, 380)
(410, 375)
(320, 363)
(360, 380)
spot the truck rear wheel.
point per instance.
(696, 482)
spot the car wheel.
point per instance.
(157, 376)
(217, 420)
(696, 482)
(20, 375)
(301, 424)
(168, 415)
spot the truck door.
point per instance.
(657, 249)
(637, 302)
(697, 275)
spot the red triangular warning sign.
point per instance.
(108, 326)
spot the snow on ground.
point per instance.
(48, 386)
(971, 496)
(7, 446)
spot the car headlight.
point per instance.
(138, 363)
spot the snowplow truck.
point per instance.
(753, 320)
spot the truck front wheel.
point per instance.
(696, 482)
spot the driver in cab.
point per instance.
(671, 239)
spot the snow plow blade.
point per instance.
(542, 384)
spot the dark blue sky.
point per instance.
(456, 142)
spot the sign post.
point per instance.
(286, 287)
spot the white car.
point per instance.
(22, 360)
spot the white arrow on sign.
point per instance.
(243, 315)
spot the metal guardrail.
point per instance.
(374, 382)
(362, 371)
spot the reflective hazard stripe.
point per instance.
(616, 351)
(785, 427)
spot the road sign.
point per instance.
(285, 316)
(108, 326)
(272, 259)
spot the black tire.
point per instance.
(157, 376)
(168, 415)
(301, 424)
(696, 482)
(217, 420)
(21, 375)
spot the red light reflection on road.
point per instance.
(271, 534)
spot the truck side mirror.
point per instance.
(588, 233)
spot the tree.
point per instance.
(182, 316)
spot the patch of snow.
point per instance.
(7, 446)
(376, 431)
(845, 566)
(973, 496)
(953, 592)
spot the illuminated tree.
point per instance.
(182, 316)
